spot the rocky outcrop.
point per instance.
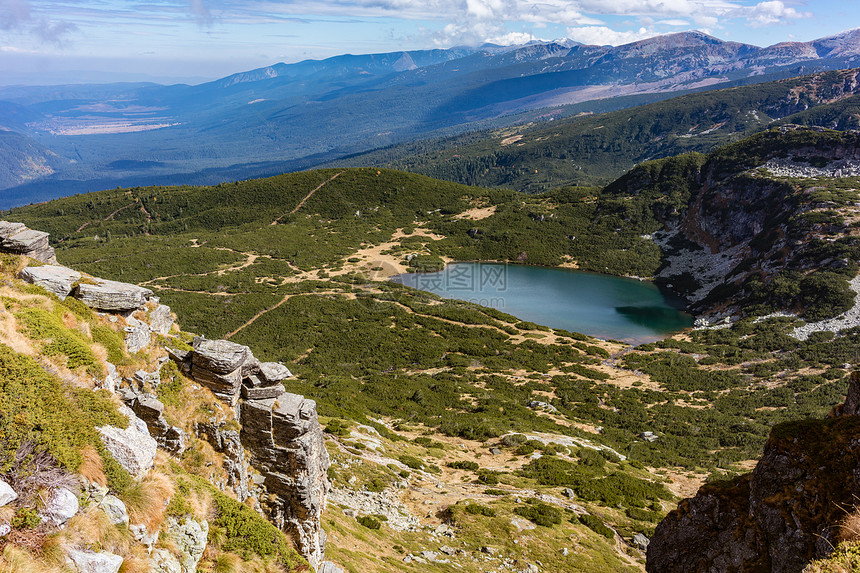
(230, 369)
(229, 443)
(286, 445)
(56, 279)
(16, 238)
(190, 538)
(151, 411)
(132, 447)
(112, 295)
(779, 517)
(161, 319)
(279, 429)
(137, 334)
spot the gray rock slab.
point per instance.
(219, 356)
(263, 392)
(133, 448)
(272, 372)
(91, 562)
(55, 279)
(161, 320)
(112, 295)
(190, 538)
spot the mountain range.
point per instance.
(286, 117)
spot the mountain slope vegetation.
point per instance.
(594, 149)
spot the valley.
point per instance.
(562, 446)
(288, 117)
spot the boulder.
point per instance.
(112, 295)
(641, 541)
(18, 239)
(190, 538)
(91, 562)
(7, 494)
(329, 567)
(163, 561)
(112, 380)
(273, 372)
(161, 319)
(220, 365)
(62, 506)
(55, 279)
(137, 335)
(133, 448)
(115, 509)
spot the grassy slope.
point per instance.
(306, 291)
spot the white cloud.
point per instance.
(674, 22)
(603, 35)
(773, 12)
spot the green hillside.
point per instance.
(594, 149)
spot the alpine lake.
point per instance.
(604, 306)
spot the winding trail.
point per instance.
(308, 196)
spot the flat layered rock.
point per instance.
(18, 239)
(112, 295)
(55, 279)
(219, 356)
(273, 372)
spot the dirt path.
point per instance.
(282, 301)
(108, 218)
(308, 196)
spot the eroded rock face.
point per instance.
(52, 278)
(229, 443)
(219, 365)
(779, 517)
(133, 448)
(151, 411)
(18, 239)
(286, 442)
(161, 319)
(112, 295)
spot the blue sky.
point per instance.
(196, 39)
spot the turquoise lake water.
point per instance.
(598, 305)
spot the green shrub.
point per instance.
(411, 462)
(369, 522)
(464, 465)
(478, 509)
(595, 524)
(540, 513)
(113, 343)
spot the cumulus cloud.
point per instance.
(773, 12)
(603, 35)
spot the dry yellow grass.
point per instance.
(17, 560)
(147, 500)
(849, 527)
(91, 466)
(11, 337)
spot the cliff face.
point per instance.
(278, 435)
(779, 517)
(771, 206)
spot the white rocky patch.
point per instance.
(786, 167)
(385, 503)
(570, 442)
(846, 320)
(709, 269)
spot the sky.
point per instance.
(45, 41)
